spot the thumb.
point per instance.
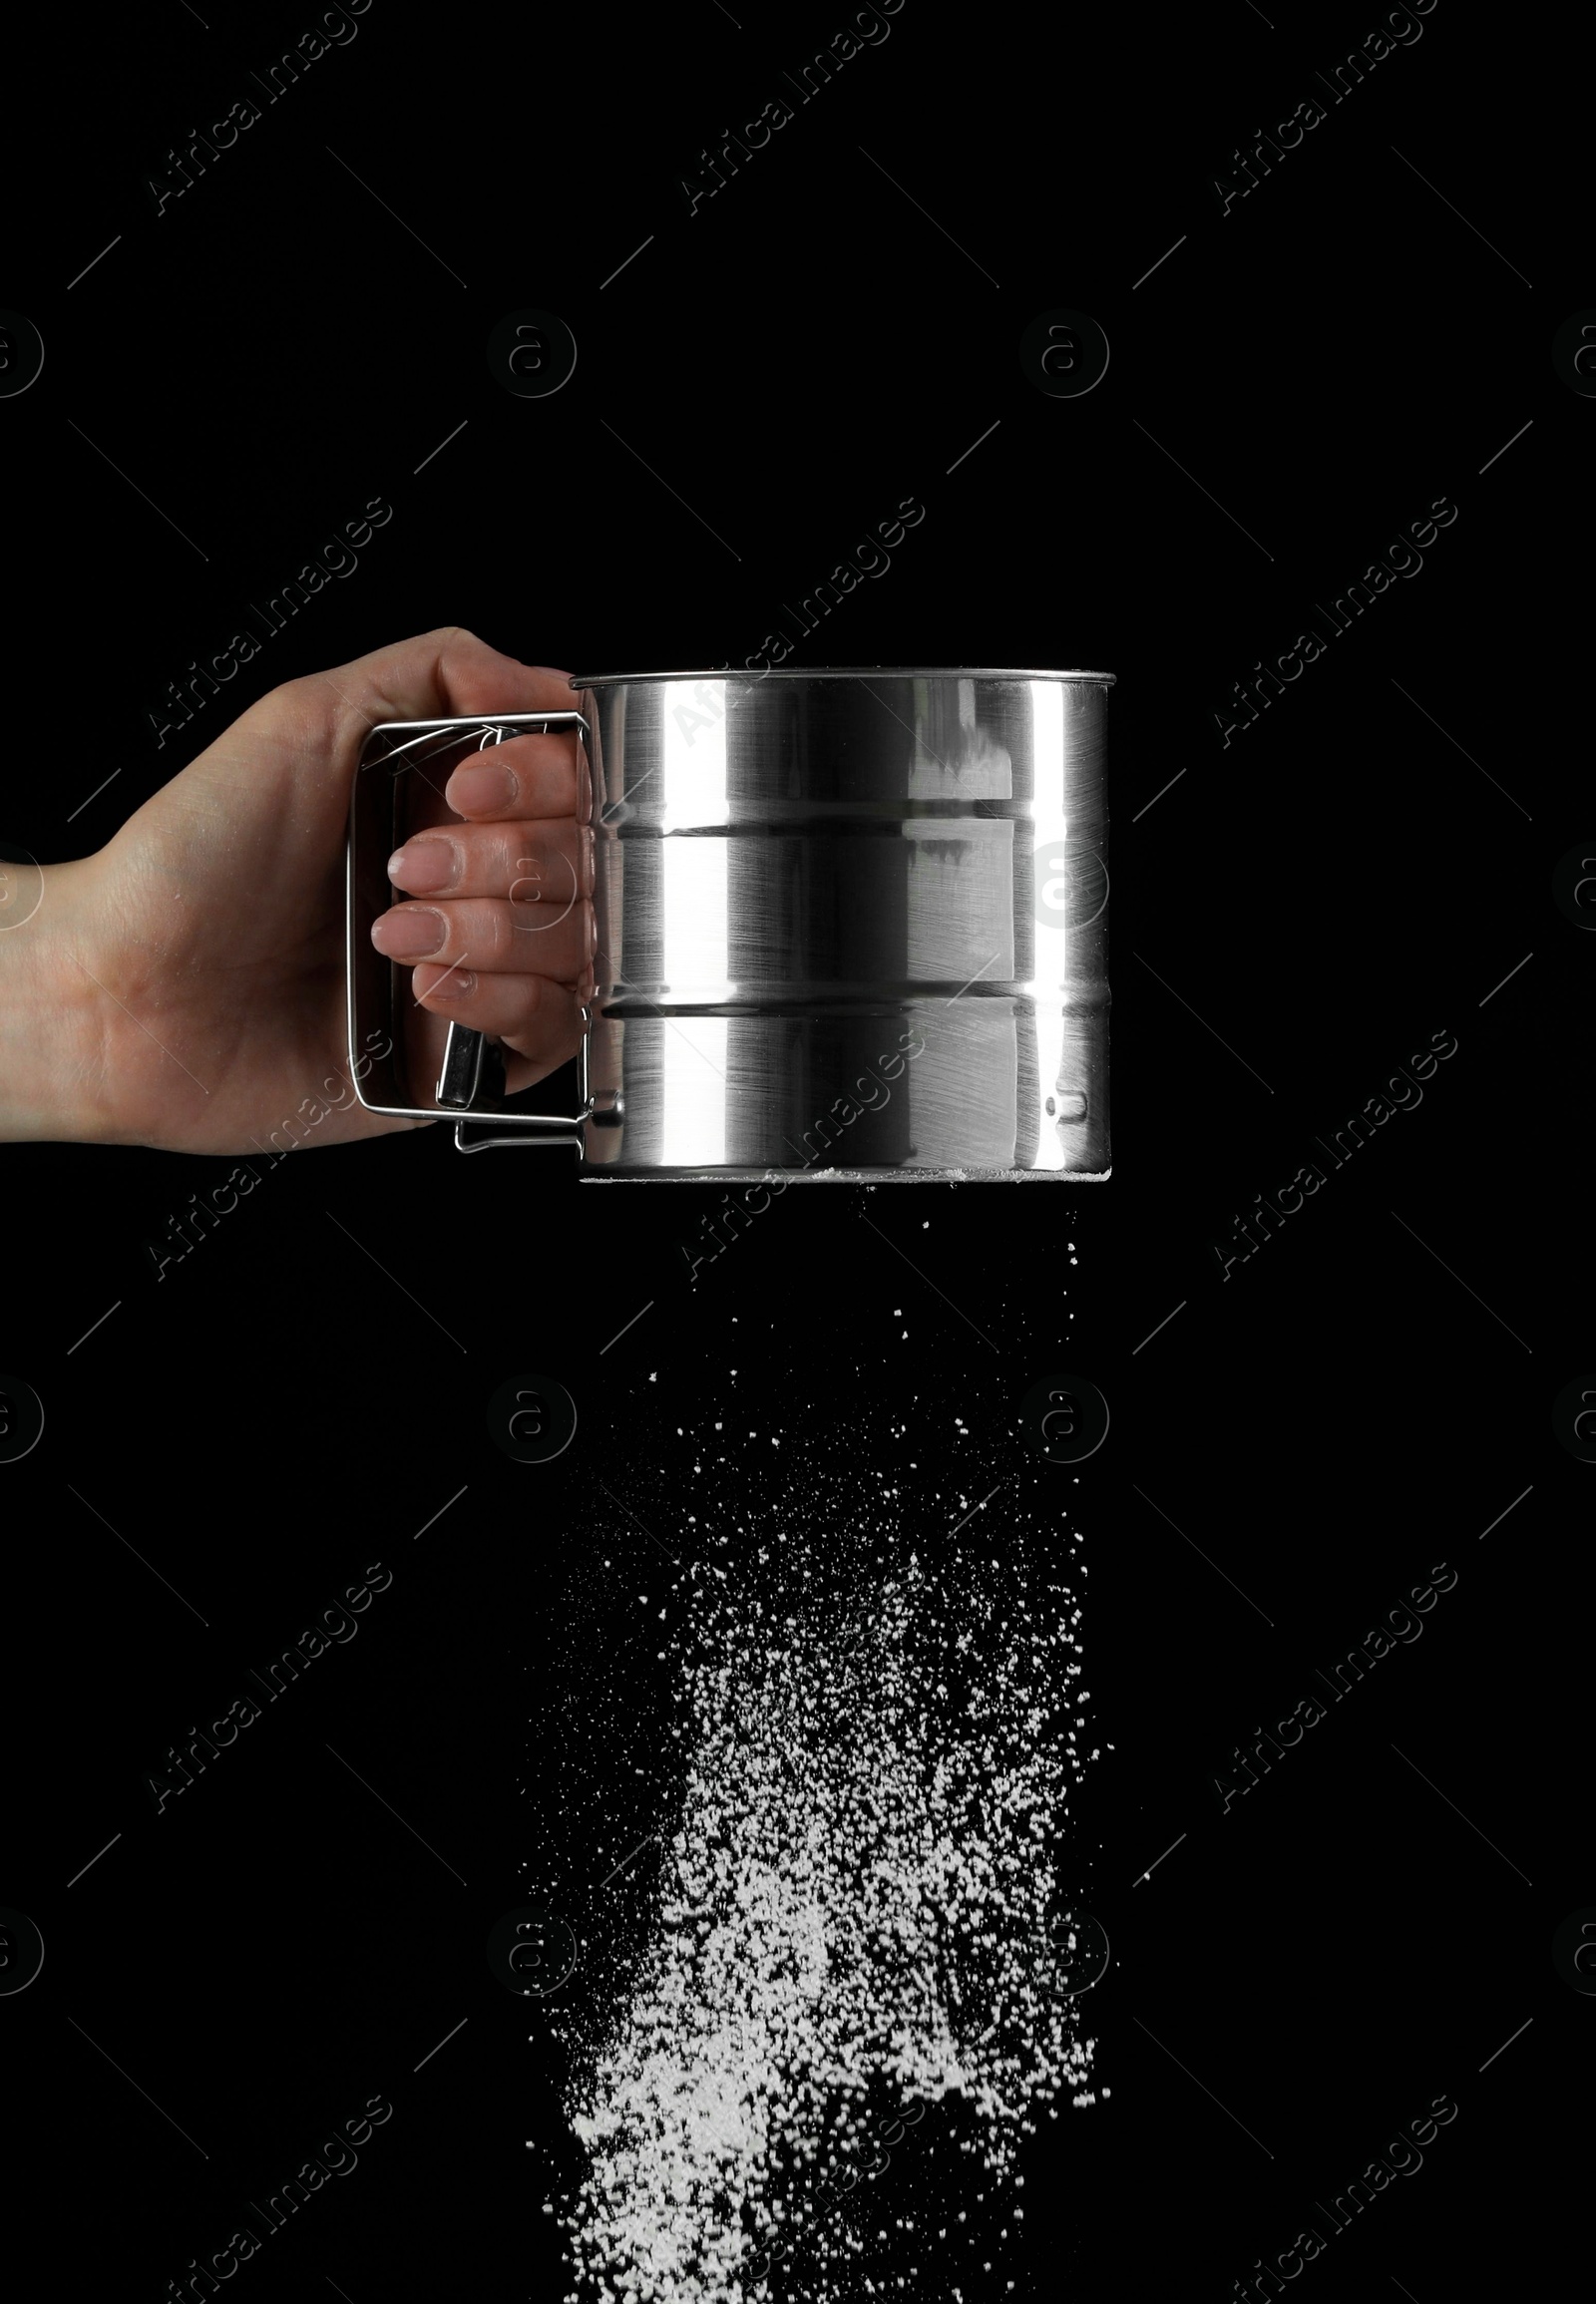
(439, 675)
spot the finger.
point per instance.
(529, 776)
(540, 862)
(492, 937)
(535, 1017)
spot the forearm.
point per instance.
(51, 1065)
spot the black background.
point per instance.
(1292, 918)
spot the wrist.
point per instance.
(52, 1081)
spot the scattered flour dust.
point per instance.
(858, 1917)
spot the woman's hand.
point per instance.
(185, 988)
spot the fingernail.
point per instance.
(409, 936)
(425, 867)
(481, 787)
(456, 985)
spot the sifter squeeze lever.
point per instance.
(471, 1078)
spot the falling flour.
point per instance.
(857, 1928)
